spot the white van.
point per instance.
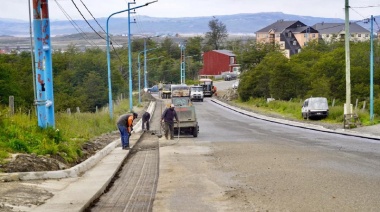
(315, 107)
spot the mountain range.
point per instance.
(236, 24)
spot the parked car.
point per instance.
(229, 76)
(153, 89)
(235, 85)
(315, 107)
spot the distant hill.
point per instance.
(236, 24)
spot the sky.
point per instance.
(360, 9)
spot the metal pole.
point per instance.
(48, 64)
(347, 46)
(184, 64)
(139, 67)
(181, 68)
(31, 54)
(130, 57)
(40, 74)
(371, 71)
(109, 71)
(145, 80)
(145, 66)
(108, 55)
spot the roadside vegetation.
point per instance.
(20, 133)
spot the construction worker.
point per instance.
(125, 126)
(213, 90)
(168, 118)
(145, 121)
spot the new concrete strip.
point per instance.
(78, 169)
(77, 196)
(349, 132)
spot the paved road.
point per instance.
(239, 163)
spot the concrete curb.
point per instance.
(78, 169)
(297, 124)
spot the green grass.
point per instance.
(292, 109)
(20, 133)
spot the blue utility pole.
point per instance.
(139, 68)
(145, 81)
(130, 57)
(44, 74)
(40, 74)
(145, 72)
(371, 71)
(109, 59)
(183, 64)
(48, 64)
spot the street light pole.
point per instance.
(139, 72)
(138, 62)
(108, 56)
(130, 57)
(145, 80)
(183, 62)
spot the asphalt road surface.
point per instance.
(239, 163)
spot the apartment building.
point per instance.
(291, 36)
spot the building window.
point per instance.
(359, 35)
(294, 43)
(366, 35)
(313, 35)
(328, 35)
(289, 34)
(232, 60)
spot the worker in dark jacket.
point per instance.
(168, 118)
(145, 121)
(125, 126)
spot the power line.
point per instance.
(86, 20)
(93, 28)
(357, 13)
(95, 19)
(74, 24)
(366, 6)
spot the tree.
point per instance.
(217, 34)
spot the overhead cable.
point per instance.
(75, 25)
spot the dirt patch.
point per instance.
(32, 162)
